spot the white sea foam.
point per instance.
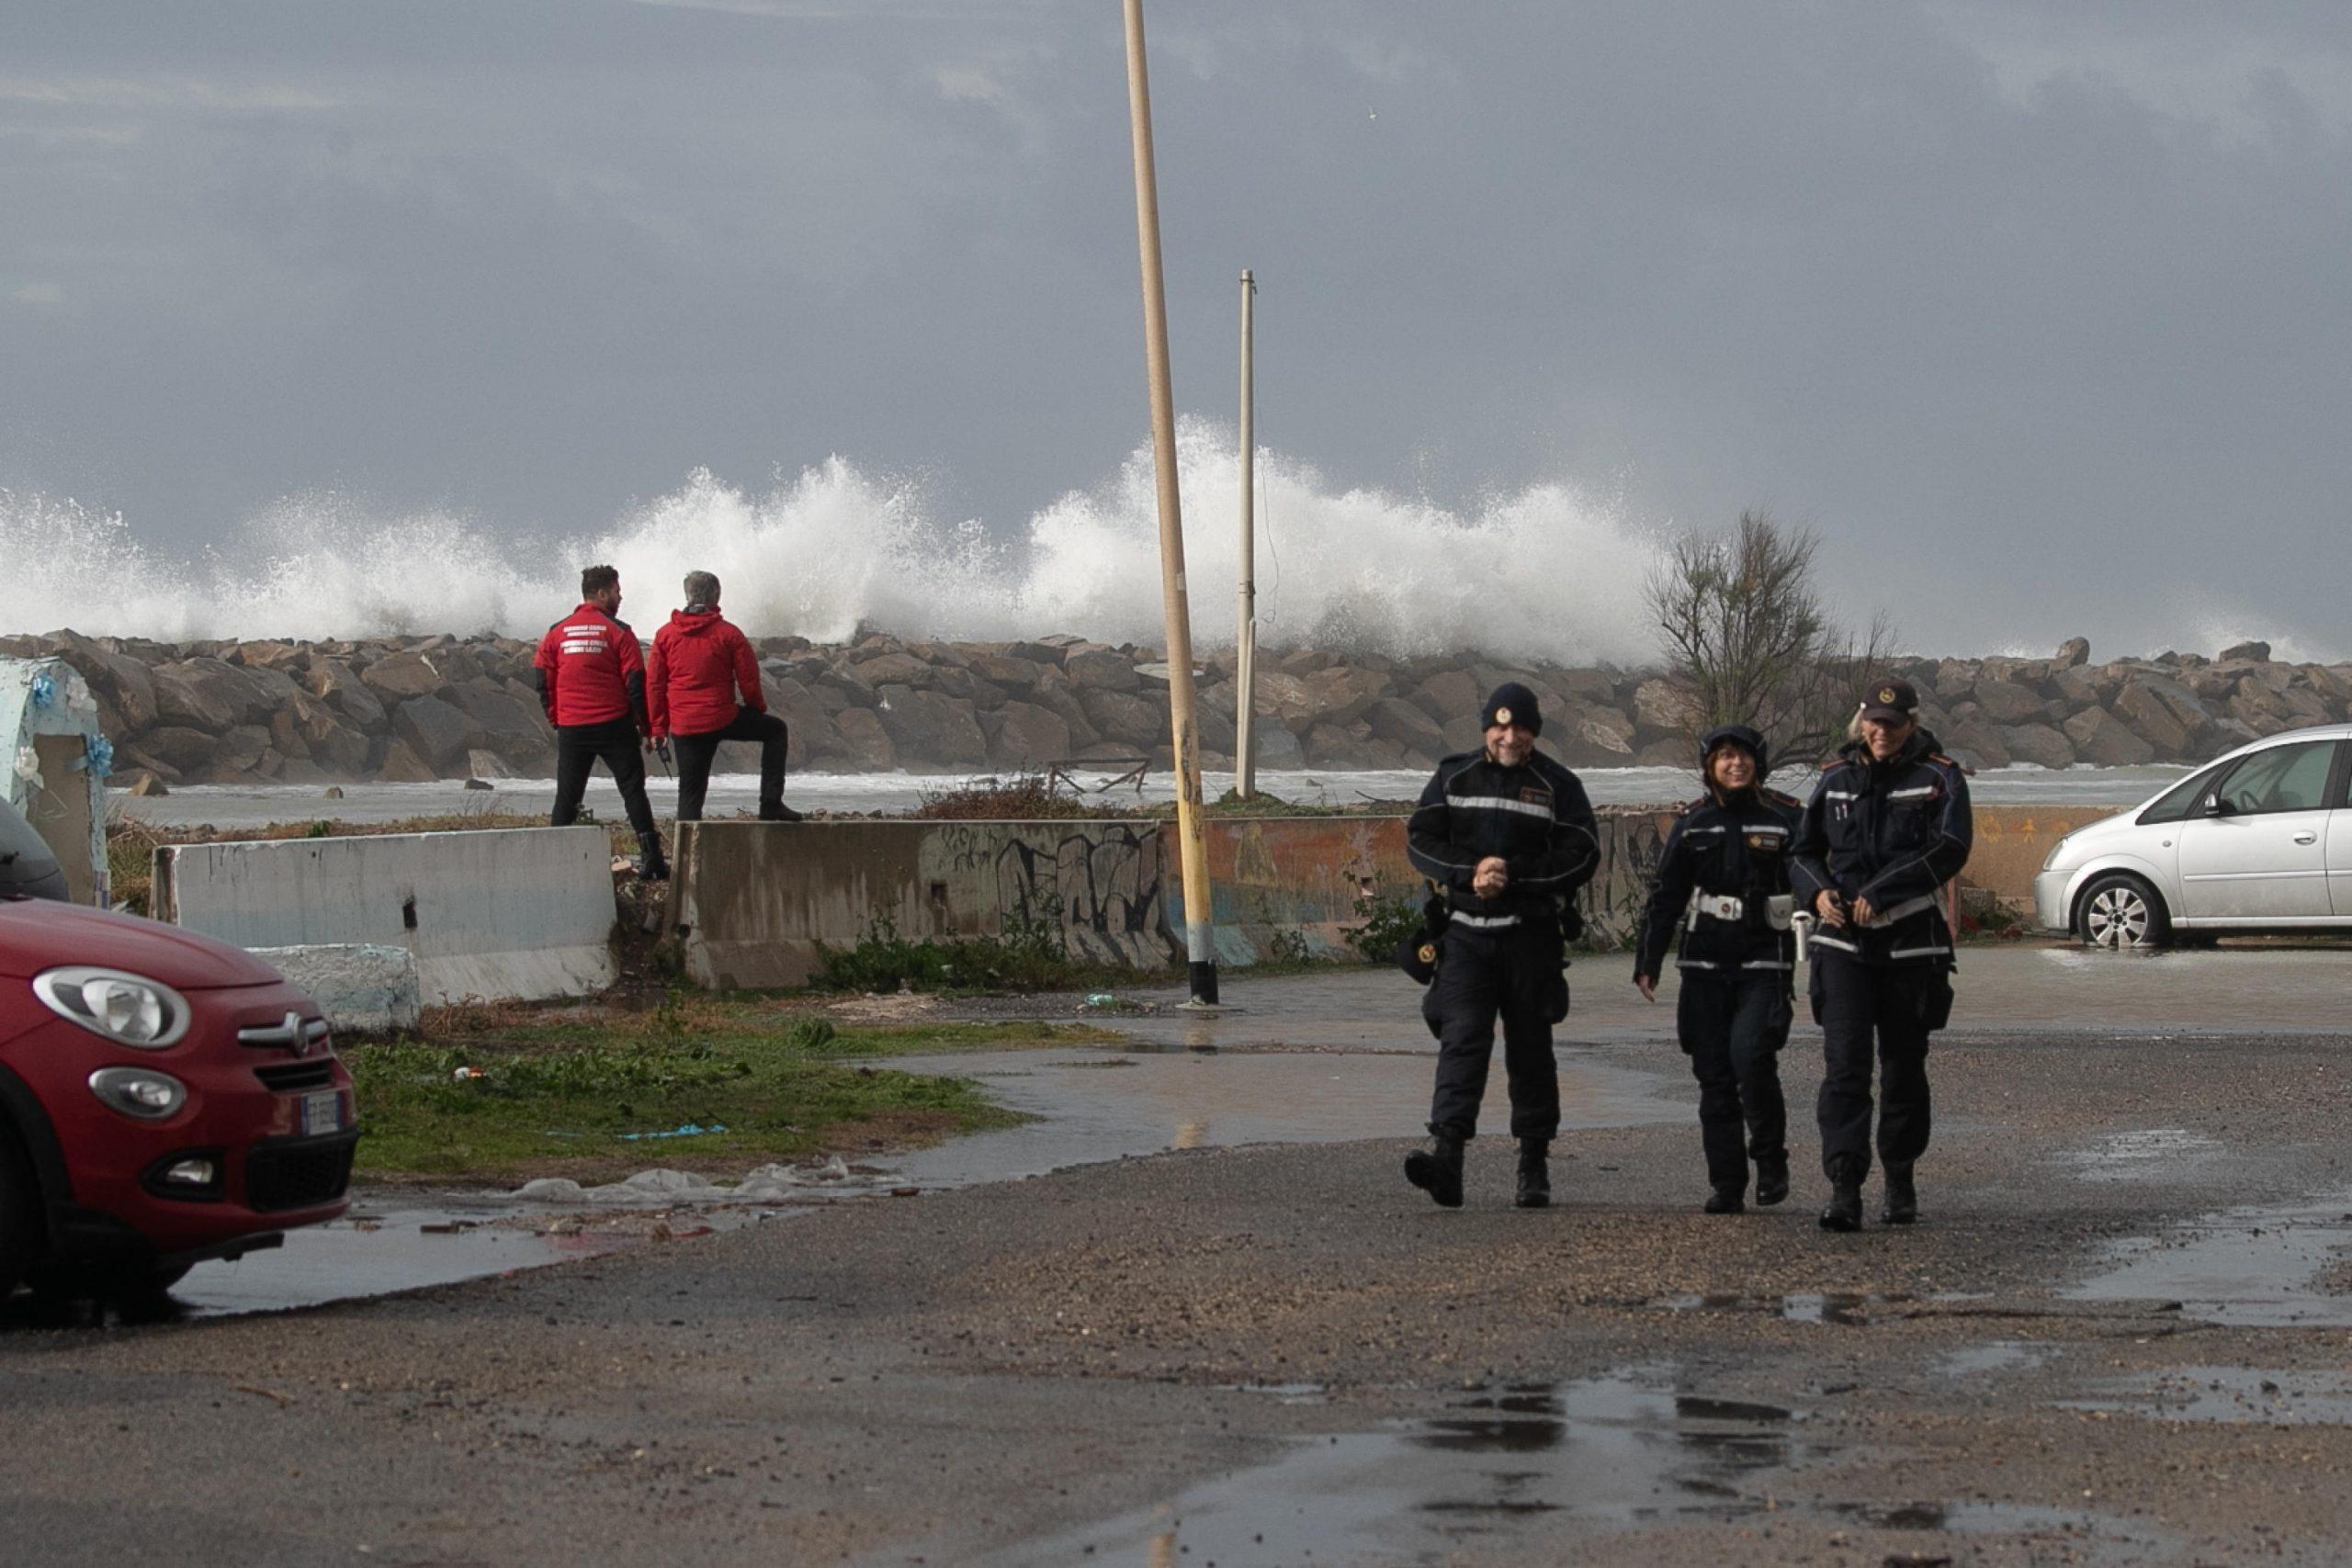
(1548, 571)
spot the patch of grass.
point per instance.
(1023, 797)
(1028, 957)
(557, 1097)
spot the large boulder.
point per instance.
(186, 751)
(932, 732)
(400, 765)
(2257, 651)
(1127, 720)
(1015, 675)
(2041, 744)
(1392, 718)
(1277, 747)
(2163, 712)
(893, 669)
(2074, 652)
(1332, 746)
(866, 743)
(117, 680)
(211, 694)
(396, 677)
(1977, 743)
(438, 733)
(1102, 669)
(2104, 740)
(335, 682)
(1447, 695)
(2006, 702)
(1661, 707)
(1024, 735)
(508, 724)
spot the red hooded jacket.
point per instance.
(699, 663)
(589, 664)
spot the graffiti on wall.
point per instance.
(1097, 884)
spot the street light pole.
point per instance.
(1245, 647)
(1200, 933)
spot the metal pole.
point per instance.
(1200, 943)
(1244, 645)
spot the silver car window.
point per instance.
(2285, 778)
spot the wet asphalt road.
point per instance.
(2120, 1335)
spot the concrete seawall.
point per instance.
(517, 913)
(754, 903)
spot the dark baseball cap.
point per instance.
(1890, 699)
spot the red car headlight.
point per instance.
(129, 1009)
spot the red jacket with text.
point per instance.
(700, 662)
(591, 669)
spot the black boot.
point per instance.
(1845, 1210)
(1771, 1180)
(1438, 1170)
(650, 866)
(778, 811)
(1534, 1174)
(1902, 1198)
(1727, 1201)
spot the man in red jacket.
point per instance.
(591, 681)
(700, 662)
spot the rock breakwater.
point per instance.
(422, 708)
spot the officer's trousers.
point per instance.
(1859, 1004)
(1513, 974)
(696, 752)
(578, 748)
(1733, 1024)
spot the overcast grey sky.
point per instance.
(2037, 312)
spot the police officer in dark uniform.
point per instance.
(1888, 826)
(1507, 836)
(1722, 889)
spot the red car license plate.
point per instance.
(322, 1112)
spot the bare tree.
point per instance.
(1748, 642)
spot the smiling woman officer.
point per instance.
(1888, 826)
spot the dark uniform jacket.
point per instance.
(1738, 848)
(1892, 833)
(1535, 815)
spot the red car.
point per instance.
(165, 1099)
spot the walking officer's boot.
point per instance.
(1771, 1180)
(1902, 1198)
(1534, 1174)
(1845, 1210)
(1437, 1170)
(1727, 1201)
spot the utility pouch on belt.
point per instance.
(1419, 953)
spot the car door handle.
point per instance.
(2307, 838)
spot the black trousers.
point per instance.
(1733, 1024)
(1513, 974)
(1894, 1008)
(695, 753)
(578, 748)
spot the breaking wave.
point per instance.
(1548, 571)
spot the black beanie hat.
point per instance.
(1513, 704)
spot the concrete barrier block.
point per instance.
(362, 987)
(494, 914)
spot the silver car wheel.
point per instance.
(2118, 917)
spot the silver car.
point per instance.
(2260, 840)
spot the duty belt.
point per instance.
(1902, 912)
(1730, 907)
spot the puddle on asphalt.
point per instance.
(2258, 1266)
(1617, 1450)
(2141, 1155)
(1181, 1098)
(2229, 1396)
(1842, 1310)
(1614, 1452)
(1993, 1356)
